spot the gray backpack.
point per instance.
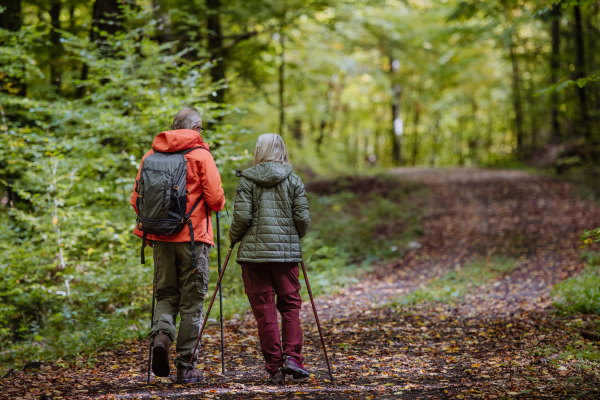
(162, 197)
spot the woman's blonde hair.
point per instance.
(270, 147)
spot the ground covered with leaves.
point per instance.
(466, 313)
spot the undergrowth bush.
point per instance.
(581, 293)
(71, 278)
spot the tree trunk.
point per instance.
(332, 107)
(56, 49)
(580, 72)
(396, 128)
(215, 47)
(298, 131)
(459, 140)
(434, 145)
(475, 138)
(281, 85)
(554, 71)
(377, 144)
(532, 113)
(72, 18)
(161, 14)
(516, 86)
(488, 141)
(321, 136)
(415, 144)
(12, 20)
(105, 16)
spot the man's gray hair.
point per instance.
(187, 118)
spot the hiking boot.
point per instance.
(160, 355)
(185, 375)
(294, 368)
(277, 378)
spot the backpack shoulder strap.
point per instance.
(187, 216)
(191, 228)
(184, 152)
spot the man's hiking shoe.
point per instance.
(185, 375)
(294, 368)
(277, 378)
(160, 355)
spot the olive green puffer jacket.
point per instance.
(270, 214)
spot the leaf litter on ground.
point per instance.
(467, 314)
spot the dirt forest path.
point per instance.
(500, 340)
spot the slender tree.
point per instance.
(56, 48)
(215, 46)
(281, 82)
(298, 131)
(161, 14)
(435, 140)
(396, 128)
(459, 140)
(580, 72)
(106, 15)
(323, 123)
(532, 101)
(415, 144)
(12, 19)
(516, 94)
(554, 71)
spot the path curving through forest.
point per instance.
(499, 338)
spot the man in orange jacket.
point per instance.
(179, 287)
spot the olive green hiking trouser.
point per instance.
(180, 288)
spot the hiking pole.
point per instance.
(220, 291)
(317, 319)
(150, 352)
(211, 303)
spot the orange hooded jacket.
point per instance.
(202, 177)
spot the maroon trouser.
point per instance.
(262, 281)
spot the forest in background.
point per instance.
(350, 85)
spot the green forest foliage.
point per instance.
(350, 84)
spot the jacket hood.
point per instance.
(181, 139)
(267, 174)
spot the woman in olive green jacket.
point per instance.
(271, 216)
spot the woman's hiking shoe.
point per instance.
(294, 368)
(277, 378)
(185, 375)
(160, 355)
